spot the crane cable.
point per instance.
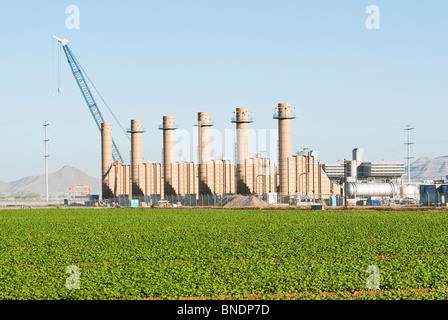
(59, 69)
(52, 68)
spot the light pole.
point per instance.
(46, 155)
(345, 183)
(408, 144)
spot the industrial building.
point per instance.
(298, 176)
(293, 179)
(433, 194)
(383, 181)
(370, 180)
(359, 171)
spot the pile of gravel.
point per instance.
(236, 201)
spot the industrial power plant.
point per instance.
(298, 177)
(292, 179)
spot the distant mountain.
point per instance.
(429, 169)
(59, 183)
(3, 187)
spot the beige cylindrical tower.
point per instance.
(136, 147)
(284, 115)
(204, 125)
(204, 137)
(106, 158)
(168, 128)
(242, 120)
(136, 154)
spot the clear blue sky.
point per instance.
(352, 87)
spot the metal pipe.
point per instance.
(371, 189)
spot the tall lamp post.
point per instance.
(46, 124)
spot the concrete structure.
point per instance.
(260, 175)
(219, 177)
(306, 179)
(154, 179)
(284, 115)
(184, 178)
(204, 125)
(106, 159)
(168, 127)
(150, 177)
(242, 120)
(136, 132)
(303, 176)
(118, 180)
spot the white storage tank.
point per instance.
(409, 191)
(365, 190)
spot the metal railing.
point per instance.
(274, 199)
(218, 200)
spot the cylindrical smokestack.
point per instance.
(242, 120)
(204, 137)
(357, 154)
(136, 154)
(106, 157)
(136, 148)
(354, 165)
(204, 125)
(284, 115)
(168, 128)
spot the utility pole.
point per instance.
(408, 158)
(46, 156)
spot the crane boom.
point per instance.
(91, 103)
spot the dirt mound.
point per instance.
(235, 201)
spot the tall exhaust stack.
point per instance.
(354, 165)
(204, 125)
(136, 154)
(242, 120)
(106, 158)
(168, 128)
(284, 115)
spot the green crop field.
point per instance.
(238, 254)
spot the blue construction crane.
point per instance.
(78, 73)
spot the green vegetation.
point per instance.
(174, 253)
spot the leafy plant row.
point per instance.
(142, 253)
